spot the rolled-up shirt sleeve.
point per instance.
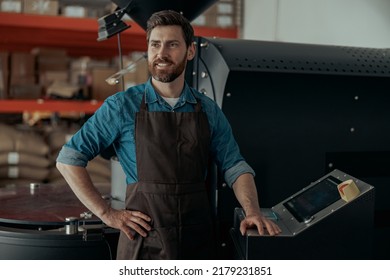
(224, 147)
(97, 133)
(72, 157)
(234, 172)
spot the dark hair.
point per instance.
(169, 17)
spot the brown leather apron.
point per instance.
(172, 151)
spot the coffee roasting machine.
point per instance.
(298, 112)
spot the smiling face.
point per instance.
(168, 53)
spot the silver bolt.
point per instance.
(72, 225)
(34, 187)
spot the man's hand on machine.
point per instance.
(130, 222)
(263, 225)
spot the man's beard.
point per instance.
(166, 76)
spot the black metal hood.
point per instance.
(141, 10)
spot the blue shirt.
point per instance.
(113, 123)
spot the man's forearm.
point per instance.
(246, 193)
(80, 182)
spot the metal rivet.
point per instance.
(228, 94)
(330, 165)
(352, 129)
(204, 75)
(224, 185)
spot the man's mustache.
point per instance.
(157, 61)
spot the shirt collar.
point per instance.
(152, 96)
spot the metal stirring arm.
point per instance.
(114, 79)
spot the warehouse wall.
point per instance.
(360, 23)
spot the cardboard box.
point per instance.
(138, 69)
(215, 20)
(83, 8)
(4, 74)
(64, 90)
(98, 10)
(221, 14)
(221, 21)
(74, 11)
(22, 64)
(21, 80)
(2, 86)
(51, 63)
(41, 7)
(130, 78)
(56, 52)
(221, 8)
(25, 91)
(142, 72)
(22, 68)
(49, 77)
(80, 69)
(13, 6)
(48, 59)
(199, 21)
(100, 88)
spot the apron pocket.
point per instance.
(160, 244)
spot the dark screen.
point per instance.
(304, 205)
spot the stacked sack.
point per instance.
(23, 156)
(99, 168)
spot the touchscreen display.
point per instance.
(304, 205)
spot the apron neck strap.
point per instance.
(143, 104)
(198, 105)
